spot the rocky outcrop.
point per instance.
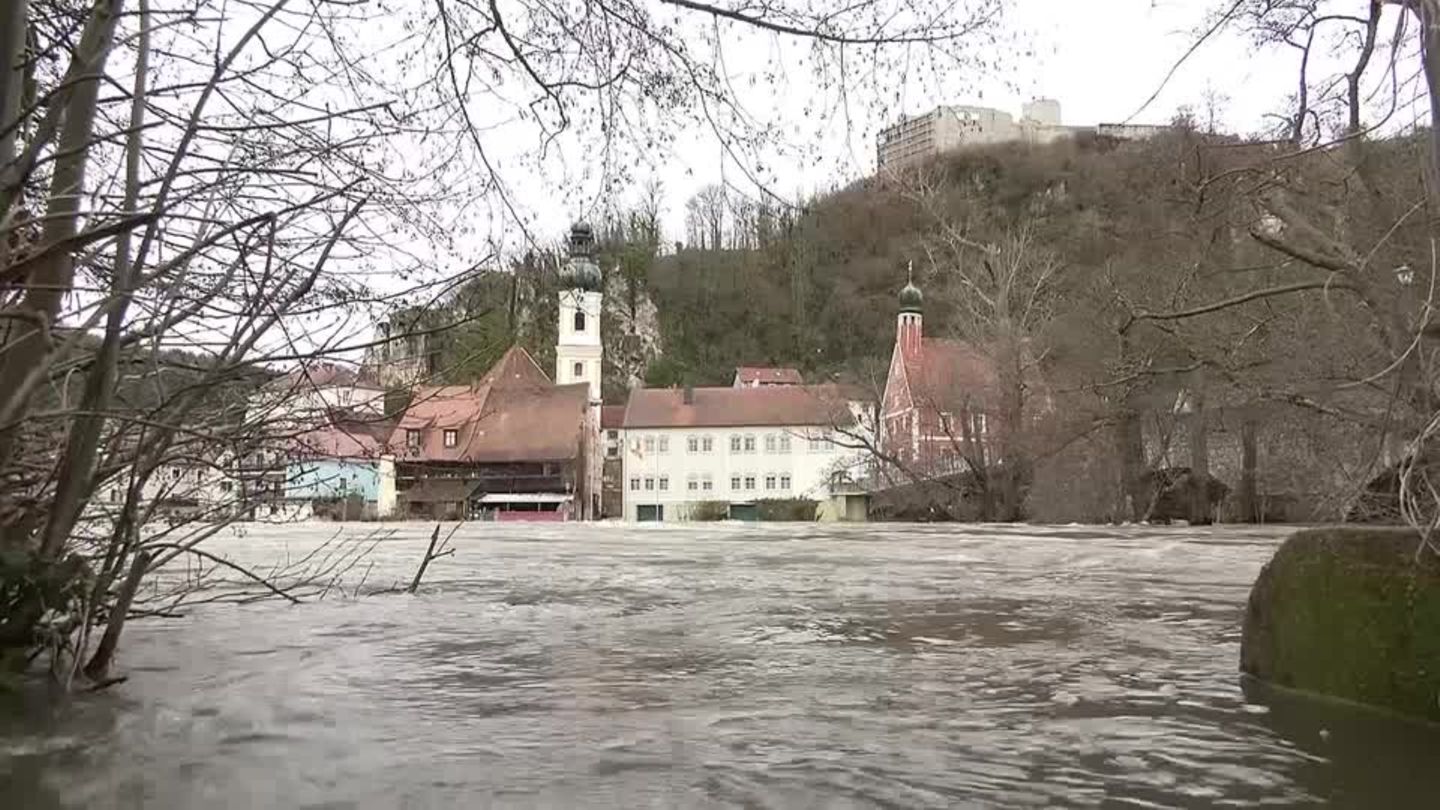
(631, 331)
(1349, 612)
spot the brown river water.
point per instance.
(723, 666)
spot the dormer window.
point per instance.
(579, 321)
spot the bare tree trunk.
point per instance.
(1130, 443)
(99, 665)
(1199, 436)
(1248, 494)
(53, 275)
(77, 466)
(1353, 98)
(12, 76)
(1130, 449)
(1012, 416)
(1429, 12)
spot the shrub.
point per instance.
(787, 509)
(709, 510)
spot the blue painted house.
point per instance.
(339, 472)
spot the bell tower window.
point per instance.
(579, 370)
(579, 321)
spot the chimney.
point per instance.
(689, 395)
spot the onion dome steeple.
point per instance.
(580, 272)
(911, 299)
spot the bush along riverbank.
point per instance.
(1352, 613)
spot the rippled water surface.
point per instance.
(724, 666)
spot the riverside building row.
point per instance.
(519, 444)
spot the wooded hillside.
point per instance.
(1150, 281)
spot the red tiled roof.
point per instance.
(747, 375)
(529, 425)
(513, 413)
(341, 441)
(612, 417)
(318, 374)
(442, 406)
(738, 407)
(515, 368)
(950, 373)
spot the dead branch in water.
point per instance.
(247, 573)
(433, 553)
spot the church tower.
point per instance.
(578, 354)
(577, 343)
(909, 327)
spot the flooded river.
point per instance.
(724, 666)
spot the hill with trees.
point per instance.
(1164, 290)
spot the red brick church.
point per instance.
(935, 411)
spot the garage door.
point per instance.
(744, 511)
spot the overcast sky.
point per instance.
(1101, 59)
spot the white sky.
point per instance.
(1100, 58)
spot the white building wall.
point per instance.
(303, 406)
(1041, 111)
(386, 497)
(579, 348)
(660, 464)
(578, 359)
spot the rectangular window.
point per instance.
(692, 483)
(412, 439)
(947, 424)
(635, 484)
(649, 482)
(663, 445)
(749, 482)
(664, 483)
(452, 438)
(785, 442)
(649, 444)
(771, 443)
(817, 444)
(980, 426)
(785, 481)
(735, 482)
(707, 444)
(692, 444)
(749, 444)
(707, 483)
(770, 482)
(734, 444)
